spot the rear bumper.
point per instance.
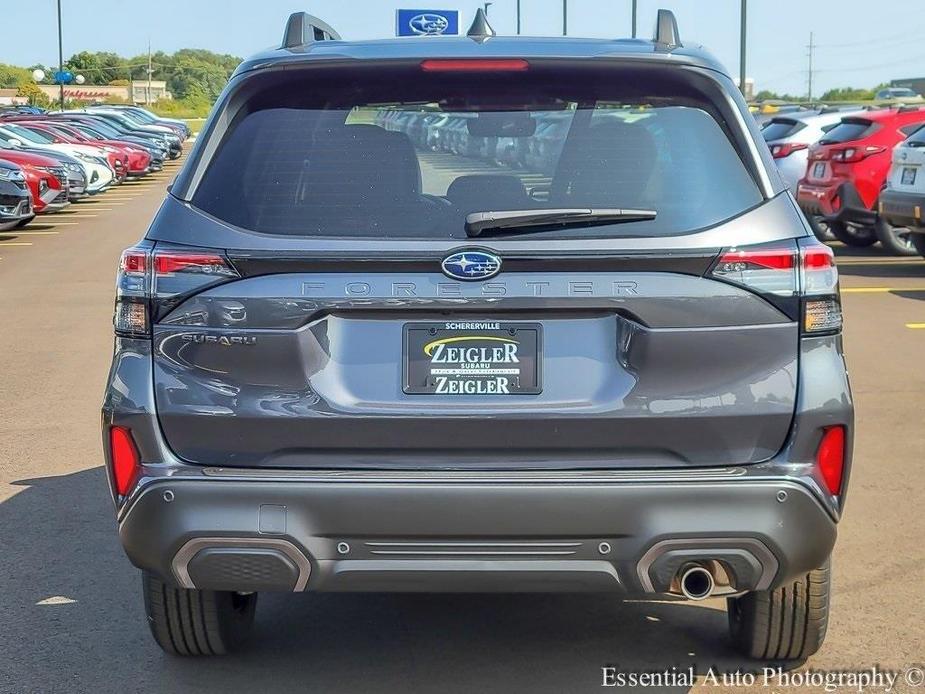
(902, 209)
(834, 203)
(624, 533)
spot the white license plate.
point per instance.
(908, 176)
(819, 170)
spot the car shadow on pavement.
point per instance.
(883, 271)
(73, 621)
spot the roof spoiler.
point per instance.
(667, 36)
(302, 29)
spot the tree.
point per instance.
(847, 94)
(33, 93)
(98, 68)
(12, 76)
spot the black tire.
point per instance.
(820, 228)
(23, 222)
(917, 238)
(788, 623)
(196, 622)
(857, 237)
(895, 240)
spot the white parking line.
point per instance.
(28, 233)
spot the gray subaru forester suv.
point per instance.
(364, 347)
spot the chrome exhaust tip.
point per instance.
(696, 582)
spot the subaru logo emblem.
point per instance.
(471, 265)
(428, 24)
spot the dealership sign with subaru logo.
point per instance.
(427, 22)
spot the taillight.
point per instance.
(151, 281)
(799, 278)
(830, 458)
(476, 65)
(819, 287)
(767, 268)
(850, 155)
(170, 262)
(132, 293)
(126, 464)
(786, 149)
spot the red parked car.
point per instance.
(847, 170)
(46, 178)
(134, 159)
(117, 159)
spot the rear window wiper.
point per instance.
(479, 222)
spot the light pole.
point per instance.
(486, 6)
(565, 17)
(742, 47)
(634, 18)
(60, 61)
(518, 17)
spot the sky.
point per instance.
(859, 43)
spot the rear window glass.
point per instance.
(779, 128)
(414, 165)
(847, 131)
(917, 138)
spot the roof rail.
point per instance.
(666, 31)
(302, 28)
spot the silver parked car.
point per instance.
(789, 138)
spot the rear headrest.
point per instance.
(364, 163)
(612, 164)
(487, 192)
(396, 152)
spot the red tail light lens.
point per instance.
(476, 65)
(125, 461)
(785, 150)
(134, 262)
(169, 262)
(850, 155)
(830, 458)
(769, 269)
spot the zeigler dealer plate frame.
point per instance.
(472, 357)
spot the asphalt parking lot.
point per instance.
(70, 603)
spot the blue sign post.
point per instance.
(427, 22)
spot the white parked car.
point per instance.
(898, 95)
(93, 159)
(902, 204)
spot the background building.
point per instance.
(136, 91)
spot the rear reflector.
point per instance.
(476, 65)
(125, 461)
(830, 458)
